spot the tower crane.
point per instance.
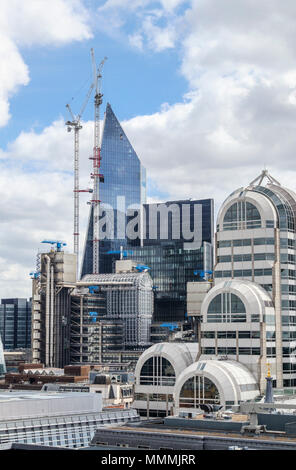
(76, 125)
(58, 243)
(97, 177)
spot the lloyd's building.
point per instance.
(245, 317)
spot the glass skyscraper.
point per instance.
(124, 186)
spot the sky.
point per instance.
(205, 91)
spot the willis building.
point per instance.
(249, 315)
(245, 316)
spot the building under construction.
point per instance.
(91, 320)
(111, 313)
(51, 308)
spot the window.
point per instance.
(241, 215)
(157, 371)
(226, 307)
(197, 390)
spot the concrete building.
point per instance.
(234, 326)
(156, 374)
(51, 308)
(169, 379)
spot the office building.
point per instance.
(169, 380)
(246, 317)
(15, 323)
(14, 358)
(51, 308)
(161, 236)
(111, 313)
(249, 316)
(177, 244)
(124, 186)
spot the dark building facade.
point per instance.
(177, 241)
(172, 256)
(15, 323)
(124, 186)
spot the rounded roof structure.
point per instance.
(254, 297)
(262, 203)
(139, 280)
(234, 381)
(273, 201)
(180, 355)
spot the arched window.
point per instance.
(241, 215)
(198, 390)
(157, 370)
(226, 308)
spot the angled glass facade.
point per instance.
(124, 186)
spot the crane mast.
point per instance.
(76, 125)
(97, 177)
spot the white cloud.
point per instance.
(51, 149)
(13, 73)
(240, 63)
(150, 25)
(40, 22)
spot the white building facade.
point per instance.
(252, 308)
(246, 321)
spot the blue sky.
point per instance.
(132, 82)
(205, 91)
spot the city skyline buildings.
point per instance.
(173, 239)
(170, 96)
